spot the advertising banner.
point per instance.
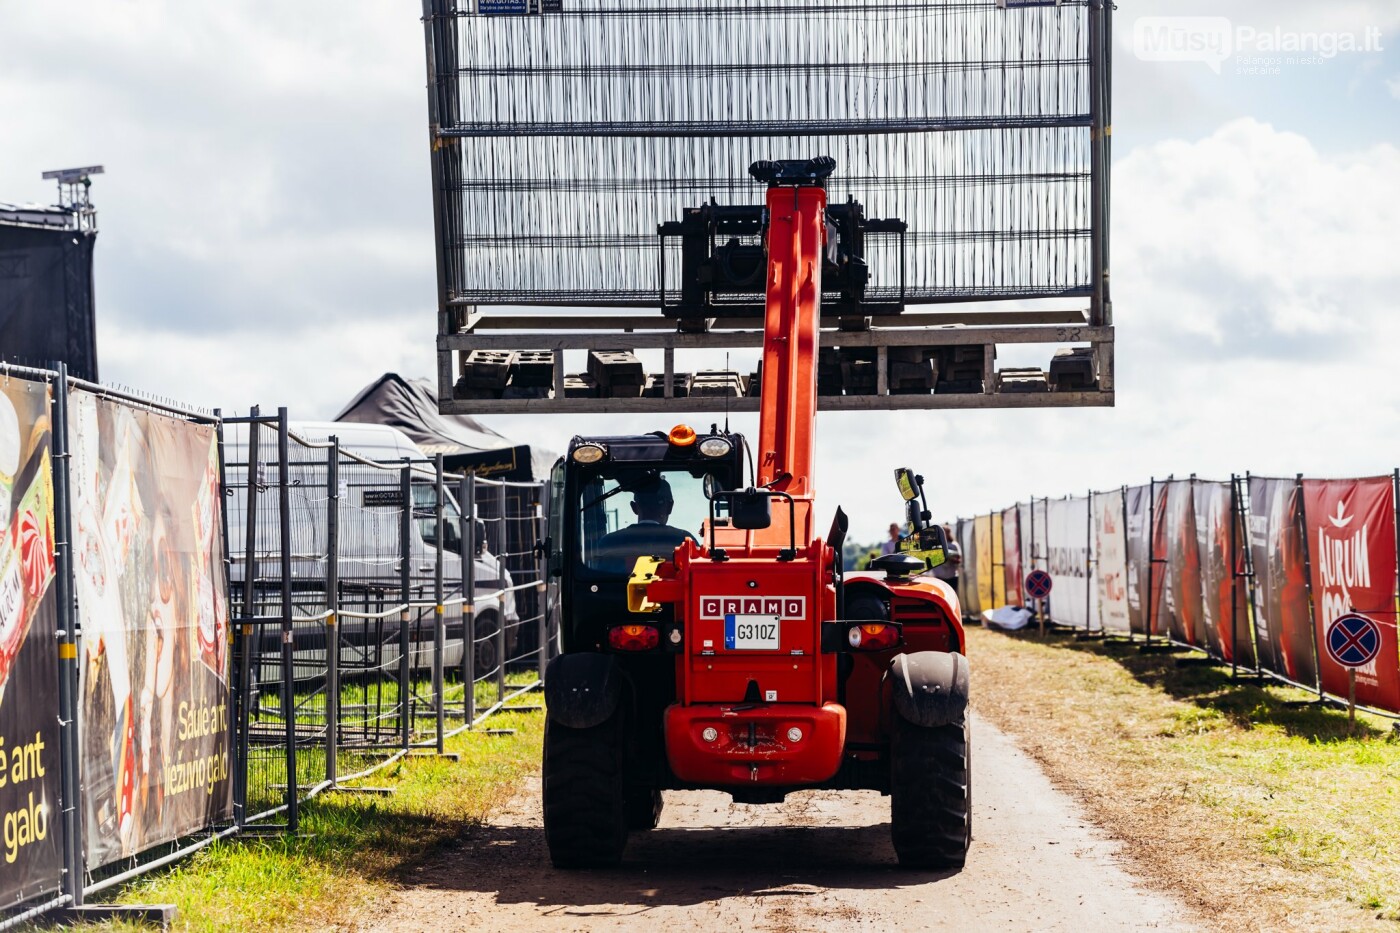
(1282, 626)
(1161, 617)
(154, 619)
(1011, 556)
(1137, 514)
(29, 712)
(1182, 592)
(982, 534)
(967, 575)
(1023, 518)
(1224, 609)
(1351, 535)
(1072, 601)
(1111, 563)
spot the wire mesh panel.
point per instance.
(567, 136)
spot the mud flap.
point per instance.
(930, 688)
(582, 690)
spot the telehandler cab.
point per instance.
(710, 637)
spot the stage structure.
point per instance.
(594, 210)
(47, 310)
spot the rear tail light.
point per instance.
(873, 637)
(634, 637)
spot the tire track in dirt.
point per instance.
(822, 860)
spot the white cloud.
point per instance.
(267, 239)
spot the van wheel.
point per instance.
(486, 657)
(931, 794)
(585, 813)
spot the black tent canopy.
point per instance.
(411, 405)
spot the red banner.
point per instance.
(1351, 542)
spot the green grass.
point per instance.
(349, 845)
(1262, 808)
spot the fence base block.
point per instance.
(433, 753)
(159, 915)
(1198, 662)
(377, 791)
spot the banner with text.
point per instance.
(154, 617)
(967, 573)
(1182, 590)
(1351, 535)
(1225, 607)
(1073, 601)
(1011, 556)
(1111, 563)
(1282, 627)
(982, 536)
(1137, 515)
(29, 710)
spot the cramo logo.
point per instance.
(1344, 560)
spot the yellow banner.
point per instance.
(982, 535)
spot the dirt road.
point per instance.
(821, 861)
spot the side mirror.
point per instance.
(909, 486)
(751, 509)
(710, 485)
(929, 543)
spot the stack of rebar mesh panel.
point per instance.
(566, 135)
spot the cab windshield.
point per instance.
(628, 512)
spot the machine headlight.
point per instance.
(715, 447)
(589, 453)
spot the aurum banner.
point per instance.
(31, 843)
(1111, 562)
(156, 756)
(1282, 628)
(1351, 539)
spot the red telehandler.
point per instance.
(744, 660)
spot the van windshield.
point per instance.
(425, 515)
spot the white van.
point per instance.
(368, 515)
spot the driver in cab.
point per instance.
(650, 536)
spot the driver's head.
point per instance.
(653, 502)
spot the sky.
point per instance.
(266, 237)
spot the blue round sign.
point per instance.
(1353, 641)
(1038, 584)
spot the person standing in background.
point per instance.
(891, 546)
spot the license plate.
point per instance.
(750, 633)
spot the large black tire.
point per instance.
(585, 817)
(931, 794)
(644, 809)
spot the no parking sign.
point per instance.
(1353, 640)
(1038, 584)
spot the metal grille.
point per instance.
(564, 138)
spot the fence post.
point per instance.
(501, 547)
(467, 500)
(332, 608)
(1251, 585)
(1151, 555)
(245, 636)
(405, 597)
(1089, 566)
(541, 593)
(69, 752)
(1300, 515)
(1234, 576)
(289, 717)
(439, 620)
